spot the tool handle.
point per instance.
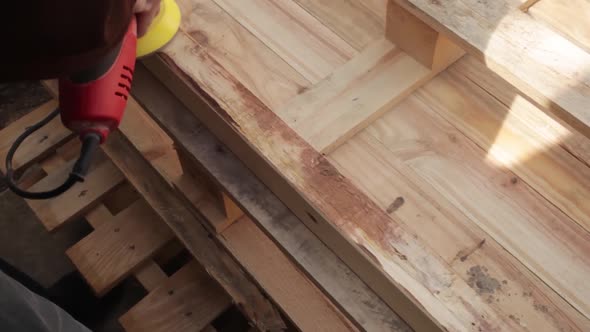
(94, 100)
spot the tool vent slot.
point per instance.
(122, 95)
(125, 77)
(125, 86)
(128, 69)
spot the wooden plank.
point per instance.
(115, 249)
(269, 77)
(549, 69)
(553, 129)
(350, 19)
(499, 279)
(98, 216)
(150, 275)
(325, 268)
(219, 209)
(527, 4)
(187, 227)
(76, 201)
(426, 45)
(506, 209)
(510, 141)
(570, 18)
(39, 144)
(354, 95)
(232, 211)
(332, 206)
(299, 299)
(293, 34)
(188, 301)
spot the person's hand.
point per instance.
(145, 11)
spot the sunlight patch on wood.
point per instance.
(511, 148)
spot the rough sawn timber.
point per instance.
(406, 273)
(547, 67)
(326, 269)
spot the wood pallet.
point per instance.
(133, 197)
(129, 238)
(456, 188)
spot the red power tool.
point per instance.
(93, 101)
(91, 104)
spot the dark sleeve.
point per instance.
(49, 38)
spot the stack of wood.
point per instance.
(456, 186)
(150, 202)
(430, 159)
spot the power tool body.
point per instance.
(92, 102)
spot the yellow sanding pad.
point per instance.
(162, 30)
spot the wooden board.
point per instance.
(512, 140)
(189, 230)
(72, 204)
(308, 172)
(39, 144)
(547, 67)
(303, 303)
(189, 296)
(430, 273)
(355, 94)
(570, 18)
(275, 23)
(352, 20)
(114, 250)
(320, 263)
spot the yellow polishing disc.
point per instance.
(163, 28)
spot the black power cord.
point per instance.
(90, 142)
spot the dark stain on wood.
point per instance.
(481, 281)
(466, 255)
(541, 307)
(201, 38)
(302, 89)
(397, 203)
(514, 318)
(400, 255)
(311, 217)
